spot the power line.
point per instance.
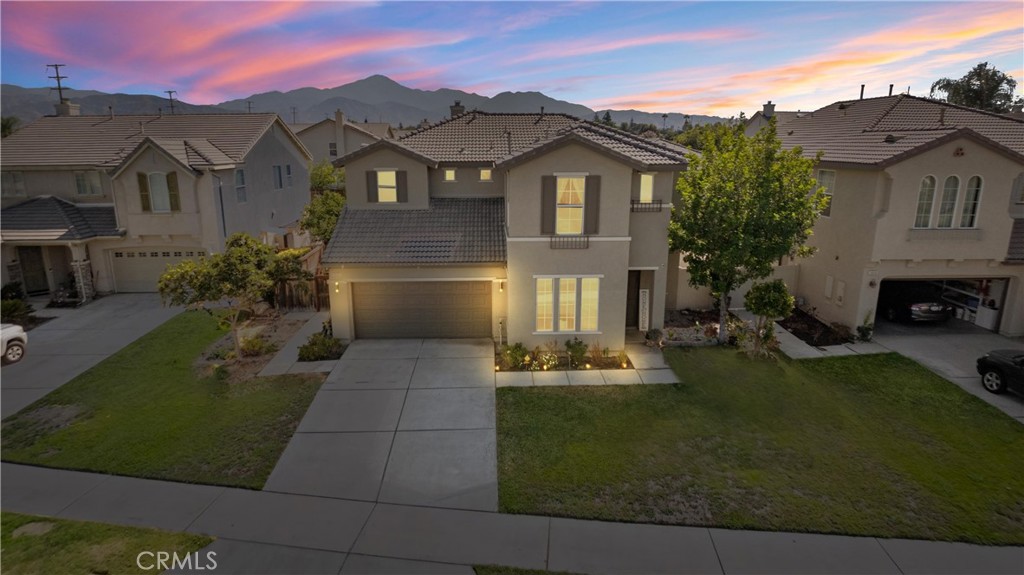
(58, 77)
(170, 98)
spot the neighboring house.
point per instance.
(762, 117)
(334, 137)
(920, 190)
(110, 201)
(521, 227)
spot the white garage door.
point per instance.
(422, 309)
(137, 269)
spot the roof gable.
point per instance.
(380, 145)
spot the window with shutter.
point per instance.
(144, 192)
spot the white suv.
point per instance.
(14, 341)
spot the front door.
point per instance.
(33, 270)
(633, 299)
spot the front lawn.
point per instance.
(34, 545)
(864, 445)
(148, 411)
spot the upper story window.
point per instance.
(387, 186)
(646, 188)
(158, 192)
(332, 148)
(569, 205)
(288, 175)
(827, 180)
(449, 174)
(567, 304)
(278, 173)
(947, 205)
(925, 199)
(12, 185)
(240, 185)
(88, 183)
(972, 199)
(485, 175)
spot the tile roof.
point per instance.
(485, 137)
(876, 130)
(51, 218)
(451, 231)
(102, 141)
(1015, 253)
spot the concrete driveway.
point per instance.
(951, 349)
(405, 421)
(78, 339)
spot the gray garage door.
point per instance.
(138, 269)
(422, 309)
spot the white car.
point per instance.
(14, 341)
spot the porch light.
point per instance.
(337, 287)
(624, 365)
(588, 366)
(497, 367)
(501, 287)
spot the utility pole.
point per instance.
(170, 98)
(664, 119)
(58, 77)
(294, 110)
(248, 105)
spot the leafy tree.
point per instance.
(324, 176)
(984, 88)
(8, 125)
(607, 118)
(767, 300)
(321, 215)
(744, 203)
(241, 275)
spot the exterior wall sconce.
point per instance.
(337, 287)
(501, 287)
(872, 283)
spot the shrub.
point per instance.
(12, 290)
(576, 350)
(515, 356)
(256, 345)
(622, 358)
(321, 347)
(15, 310)
(546, 361)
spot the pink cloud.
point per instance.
(587, 46)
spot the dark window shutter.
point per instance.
(144, 192)
(547, 204)
(371, 186)
(592, 205)
(402, 182)
(172, 191)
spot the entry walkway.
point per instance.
(400, 421)
(265, 532)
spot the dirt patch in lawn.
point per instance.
(42, 421)
(813, 331)
(34, 528)
(219, 358)
(690, 317)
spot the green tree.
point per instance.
(8, 125)
(607, 118)
(767, 300)
(983, 87)
(241, 276)
(320, 215)
(744, 203)
(324, 176)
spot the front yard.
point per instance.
(151, 411)
(863, 445)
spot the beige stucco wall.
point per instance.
(467, 183)
(59, 183)
(355, 184)
(317, 139)
(340, 279)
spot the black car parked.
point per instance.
(1002, 369)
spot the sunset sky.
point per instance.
(692, 57)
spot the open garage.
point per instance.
(968, 303)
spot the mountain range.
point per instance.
(374, 99)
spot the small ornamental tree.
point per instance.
(241, 276)
(744, 203)
(320, 215)
(768, 300)
(324, 176)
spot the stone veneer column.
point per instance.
(83, 279)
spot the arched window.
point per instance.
(925, 199)
(972, 199)
(948, 204)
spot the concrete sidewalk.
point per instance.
(76, 340)
(280, 533)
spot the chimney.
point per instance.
(339, 132)
(890, 89)
(66, 108)
(862, 91)
(942, 115)
(542, 111)
(111, 110)
(769, 110)
(458, 109)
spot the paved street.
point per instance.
(64, 347)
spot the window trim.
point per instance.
(152, 194)
(82, 176)
(582, 206)
(394, 172)
(490, 175)
(444, 175)
(240, 189)
(931, 202)
(17, 183)
(332, 149)
(976, 202)
(288, 175)
(952, 205)
(650, 199)
(830, 192)
(277, 176)
(555, 315)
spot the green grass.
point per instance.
(866, 445)
(146, 412)
(79, 547)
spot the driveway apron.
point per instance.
(400, 421)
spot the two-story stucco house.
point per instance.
(921, 191)
(335, 137)
(520, 227)
(110, 201)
